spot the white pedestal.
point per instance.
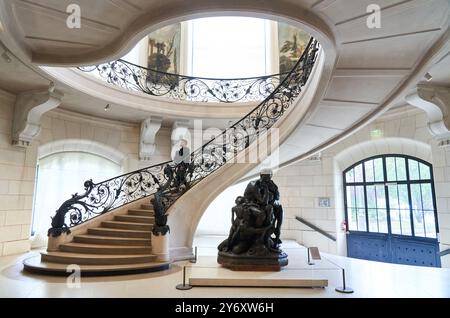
(160, 247)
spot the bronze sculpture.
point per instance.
(254, 239)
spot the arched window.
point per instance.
(391, 194)
(390, 210)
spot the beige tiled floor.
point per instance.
(368, 279)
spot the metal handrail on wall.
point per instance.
(169, 180)
(444, 252)
(316, 228)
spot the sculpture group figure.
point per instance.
(256, 220)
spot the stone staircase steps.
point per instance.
(93, 259)
(134, 218)
(104, 249)
(127, 225)
(36, 265)
(100, 231)
(110, 240)
(141, 212)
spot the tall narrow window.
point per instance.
(229, 47)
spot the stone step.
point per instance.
(104, 249)
(141, 212)
(34, 264)
(93, 259)
(127, 225)
(101, 231)
(135, 219)
(110, 240)
(147, 206)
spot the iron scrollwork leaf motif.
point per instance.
(170, 180)
(187, 88)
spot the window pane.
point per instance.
(404, 209)
(401, 168)
(381, 197)
(360, 197)
(362, 220)
(424, 172)
(228, 47)
(413, 169)
(395, 221)
(352, 219)
(416, 197)
(368, 166)
(405, 222)
(382, 221)
(390, 169)
(378, 164)
(393, 197)
(373, 220)
(351, 215)
(427, 196)
(418, 223)
(358, 173)
(430, 224)
(350, 176)
(371, 197)
(351, 198)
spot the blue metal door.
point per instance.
(390, 249)
(391, 211)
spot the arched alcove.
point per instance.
(62, 168)
(359, 152)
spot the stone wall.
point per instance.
(404, 131)
(18, 165)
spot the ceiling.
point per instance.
(370, 69)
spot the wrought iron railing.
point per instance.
(170, 180)
(187, 88)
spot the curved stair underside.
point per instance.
(120, 246)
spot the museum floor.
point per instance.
(368, 279)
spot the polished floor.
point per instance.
(367, 279)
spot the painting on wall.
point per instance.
(164, 49)
(292, 42)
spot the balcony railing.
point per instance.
(186, 88)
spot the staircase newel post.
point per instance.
(160, 246)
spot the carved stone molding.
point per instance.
(147, 144)
(28, 110)
(435, 101)
(180, 130)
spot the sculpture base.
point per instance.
(244, 262)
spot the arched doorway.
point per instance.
(390, 210)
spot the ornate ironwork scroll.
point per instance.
(170, 180)
(187, 88)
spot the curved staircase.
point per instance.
(103, 232)
(120, 246)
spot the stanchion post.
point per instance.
(195, 256)
(183, 286)
(309, 257)
(344, 289)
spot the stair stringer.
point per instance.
(186, 212)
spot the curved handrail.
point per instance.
(169, 180)
(188, 88)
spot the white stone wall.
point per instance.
(18, 165)
(17, 172)
(404, 132)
